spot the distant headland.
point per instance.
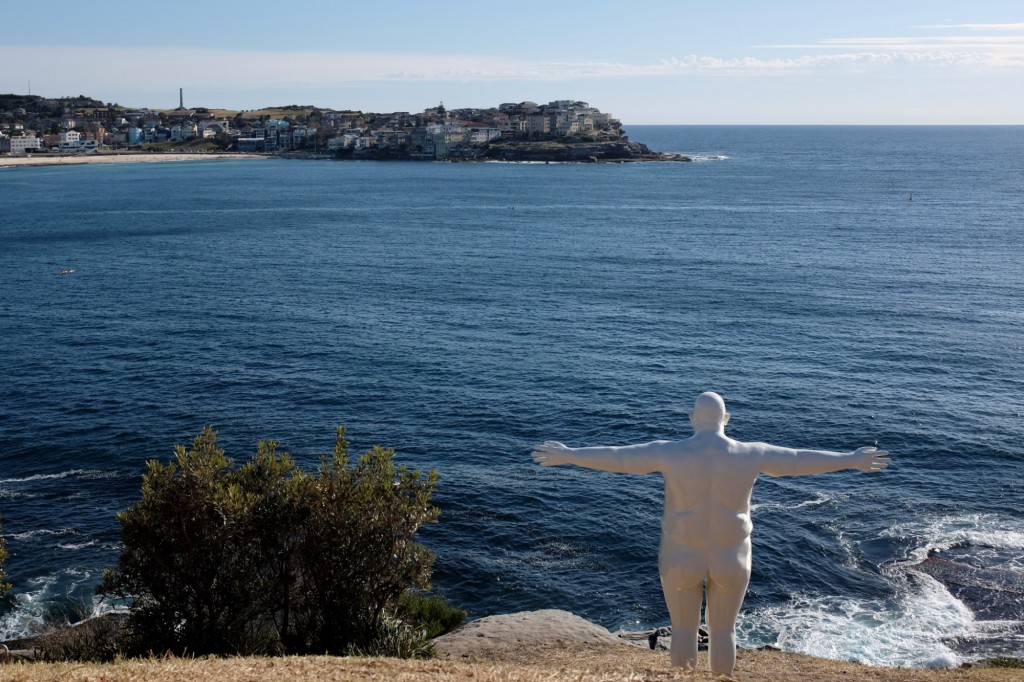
(559, 131)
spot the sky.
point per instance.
(646, 62)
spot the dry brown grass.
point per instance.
(578, 664)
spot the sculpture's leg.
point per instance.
(727, 585)
(684, 609)
(682, 580)
(723, 607)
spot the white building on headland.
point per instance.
(19, 145)
(72, 142)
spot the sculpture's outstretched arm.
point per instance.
(627, 459)
(776, 461)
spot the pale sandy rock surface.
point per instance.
(525, 630)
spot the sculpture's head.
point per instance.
(709, 412)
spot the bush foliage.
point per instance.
(432, 613)
(1006, 662)
(265, 558)
(96, 640)
(4, 586)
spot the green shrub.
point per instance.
(1006, 662)
(265, 558)
(184, 545)
(430, 612)
(396, 638)
(97, 640)
(4, 586)
(358, 555)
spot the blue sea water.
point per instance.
(839, 286)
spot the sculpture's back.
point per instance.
(707, 491)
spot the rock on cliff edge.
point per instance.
(513, 633)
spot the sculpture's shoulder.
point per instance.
(745, 455)
(666, 451)
(755, 449)
(764, 457)
(654, 448)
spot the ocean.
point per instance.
(839, 286)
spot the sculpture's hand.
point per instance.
(550, 454)
(871, 459)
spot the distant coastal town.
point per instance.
(563, 130)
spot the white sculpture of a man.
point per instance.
(705, 528)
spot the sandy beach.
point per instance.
(57, 160)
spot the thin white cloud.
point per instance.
(974, 51)
(977, 27)
(858, 61)
(917, 43)
(974, 42)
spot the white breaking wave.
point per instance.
(912, 629)
(908, 631)
(529, 163)
(45, 532)
(81, 473)
(33, 612)
(976, 530)
(818, 500)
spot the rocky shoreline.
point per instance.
(514, 152)
(616, 151)
(619, 150)
(603, 151)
